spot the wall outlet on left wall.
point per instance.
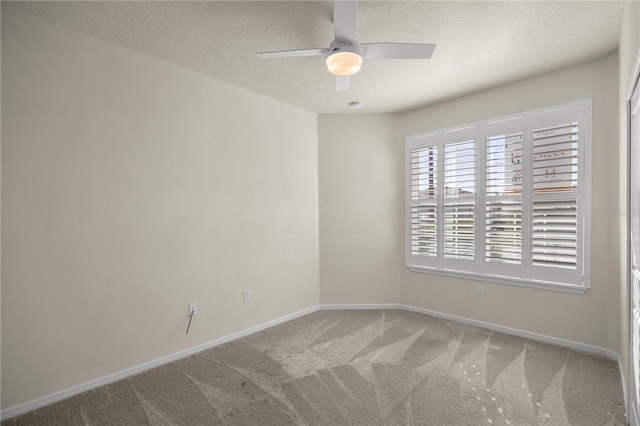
(193, 309)
(246, 296)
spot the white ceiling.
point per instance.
(479, 44)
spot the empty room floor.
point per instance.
(360, 367)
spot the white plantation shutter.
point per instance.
(555, 158)
(505, 200)
(459, 191)
(503, 157)
(459, 198)
(424, 238)
(503, 236)
(423, 231)
(555, 236)
(557, 195)
(424, 163)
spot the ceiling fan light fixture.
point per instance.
(344, 55)
(344, 63)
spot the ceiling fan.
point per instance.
(345, 54)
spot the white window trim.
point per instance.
(584, 215)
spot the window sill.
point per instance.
(543, 285)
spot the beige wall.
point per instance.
(361, 234)
(629, 48)
(130, 188)
(353, 159)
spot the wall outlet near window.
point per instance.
(480, 289)
(246, 296)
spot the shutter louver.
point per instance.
(503, 204)
(555, 159)
(423, 224)
(424, 198)
(503, 237)
(459, 188)
(555, 233)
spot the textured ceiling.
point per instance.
(480, 44)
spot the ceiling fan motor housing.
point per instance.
(345, 57)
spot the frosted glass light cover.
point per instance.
(344, 63)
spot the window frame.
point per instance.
(481, 269)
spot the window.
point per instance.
(504, 200)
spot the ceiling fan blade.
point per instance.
(397, 50)
(345, 19)
(293, 53)
(342, 82)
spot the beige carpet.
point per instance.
(376, 367)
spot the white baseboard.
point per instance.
(74, 390)
(362, 306)
(507, 330)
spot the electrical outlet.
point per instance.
(246, 296)
(193, 309)
(480, 289)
